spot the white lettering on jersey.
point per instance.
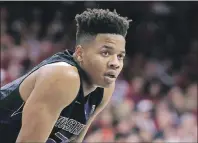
(69, 125)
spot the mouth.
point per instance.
(111, 74)
(110, 77)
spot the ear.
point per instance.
(79, 52)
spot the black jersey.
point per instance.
(72, 119)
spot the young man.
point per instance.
(59, 98)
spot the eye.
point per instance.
(121, 57)
(105, 53)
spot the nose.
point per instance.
(114, 63)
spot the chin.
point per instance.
(105, 85)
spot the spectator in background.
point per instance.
(155, 99)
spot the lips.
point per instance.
(109, 80)
(111, 74)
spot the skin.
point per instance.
(108, 51)
(105, 53)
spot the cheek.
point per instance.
(96, 64)
(121, 67)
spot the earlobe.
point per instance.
(79, 58)
(78, 49)
(79, 52)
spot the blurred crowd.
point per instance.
(149, 108)
(155, 98)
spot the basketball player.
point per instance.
(59, 98)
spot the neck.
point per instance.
(88, 87)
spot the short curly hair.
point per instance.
(99, 21)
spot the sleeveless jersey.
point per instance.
(72, 119)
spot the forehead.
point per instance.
(113, 39)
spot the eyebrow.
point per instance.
(111, 48)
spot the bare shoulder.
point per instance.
(60, 69)
(60, 75)
(57, 83)
(46, 75)
(56, 86)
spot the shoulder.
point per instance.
(61, 75)
(59, 81)
(58, 71)
(59, 67)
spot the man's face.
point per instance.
(102, 58)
